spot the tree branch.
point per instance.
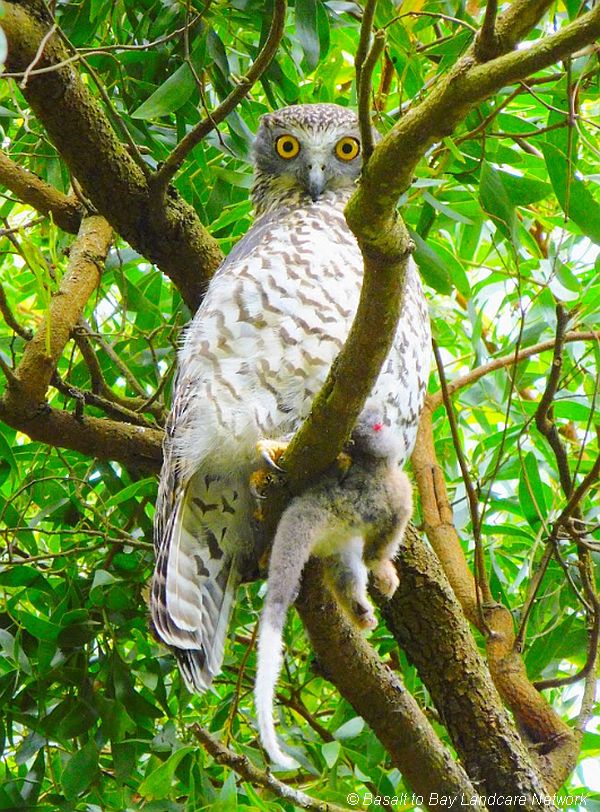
(259, 778)
(9, 317)
(543, 420)
(483, 587)
(435, 399)
(364, 94)
(534, 715)
(133, 446)
(167, 232)
(81, 279)
(65, 211)
(487, 44)
(171, 165)
(347, 660)
(428, 622)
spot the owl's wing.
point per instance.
(193, 588)
(194, 581)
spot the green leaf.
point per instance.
(158, 783)
(143, 487)
(80, 771)
(523, 190)
(433, 268)
(177, 89)
(331, 752)
(531, 492)
(350, 729)
(575, 199)
(169, 96)
(496, 202)
(307, 31)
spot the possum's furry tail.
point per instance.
(270, 658)
(299, 528)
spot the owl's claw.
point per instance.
(271, 451)
(259, 483)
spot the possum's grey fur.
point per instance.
(355, 525)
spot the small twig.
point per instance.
(109, 407)
(241, 670)
(589, 692)
(11, 321)
(135, 405)
(114, 357)
(38, 55)
(483, 590)
(543, 415)
(436, 15)
(9, 374)
(162, 177)
(435, 399)
(486, 42)
(576, 497)
(261, 778)
(534, 587)
(366, 27)
(364, 94)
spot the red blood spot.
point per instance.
(377, 426)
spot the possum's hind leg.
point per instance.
(347, 574)
(382, 544)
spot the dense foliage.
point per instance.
(505, 214)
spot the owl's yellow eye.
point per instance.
(287, 146)
(347, 149)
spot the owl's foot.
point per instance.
(271, 451)
(260, 481)
(385, 577)
(343, 462)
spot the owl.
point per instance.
(275, 315)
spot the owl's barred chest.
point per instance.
(271, 324)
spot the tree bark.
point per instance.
(166, 230)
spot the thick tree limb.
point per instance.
(534, 715)
(390, 170)
(371, 214)
(166, 231)
(428, 622)
(376, 693)
(518, 20)
(134, 446)
(43, 352)
(65, 211)
(267, 53)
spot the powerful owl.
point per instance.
(275, 315)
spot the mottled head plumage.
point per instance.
(305, 153)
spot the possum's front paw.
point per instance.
(385, 577)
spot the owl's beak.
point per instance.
(316, 181)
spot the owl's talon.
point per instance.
(344, 462)
(271, 451)
(259, 483)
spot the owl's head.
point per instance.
(304, 151)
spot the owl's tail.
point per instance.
(192, 595)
